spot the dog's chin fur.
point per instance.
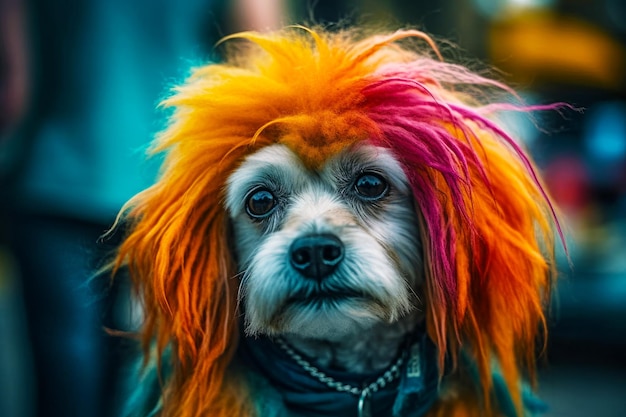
(369, 350)
(376, 284)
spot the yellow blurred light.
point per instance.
(551, 48)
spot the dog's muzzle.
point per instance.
(316, 256)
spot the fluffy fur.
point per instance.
(477, 223)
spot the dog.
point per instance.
(341, 227)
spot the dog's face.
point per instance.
(324, 253)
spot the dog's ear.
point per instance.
(490, 296)
(178, 255)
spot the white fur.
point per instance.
(380, 266)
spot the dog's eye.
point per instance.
(260, 203)
(371, 186)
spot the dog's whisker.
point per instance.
(415, 295)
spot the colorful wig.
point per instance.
(487, 224)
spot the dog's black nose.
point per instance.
(316, 256)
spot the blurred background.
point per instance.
(79, 84)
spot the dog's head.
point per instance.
(328, 252)
(334, 183)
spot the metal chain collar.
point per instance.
(387, 377)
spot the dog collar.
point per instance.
(364, 393)
(409, 389)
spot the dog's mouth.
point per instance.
(322, 297)
(324, 313)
